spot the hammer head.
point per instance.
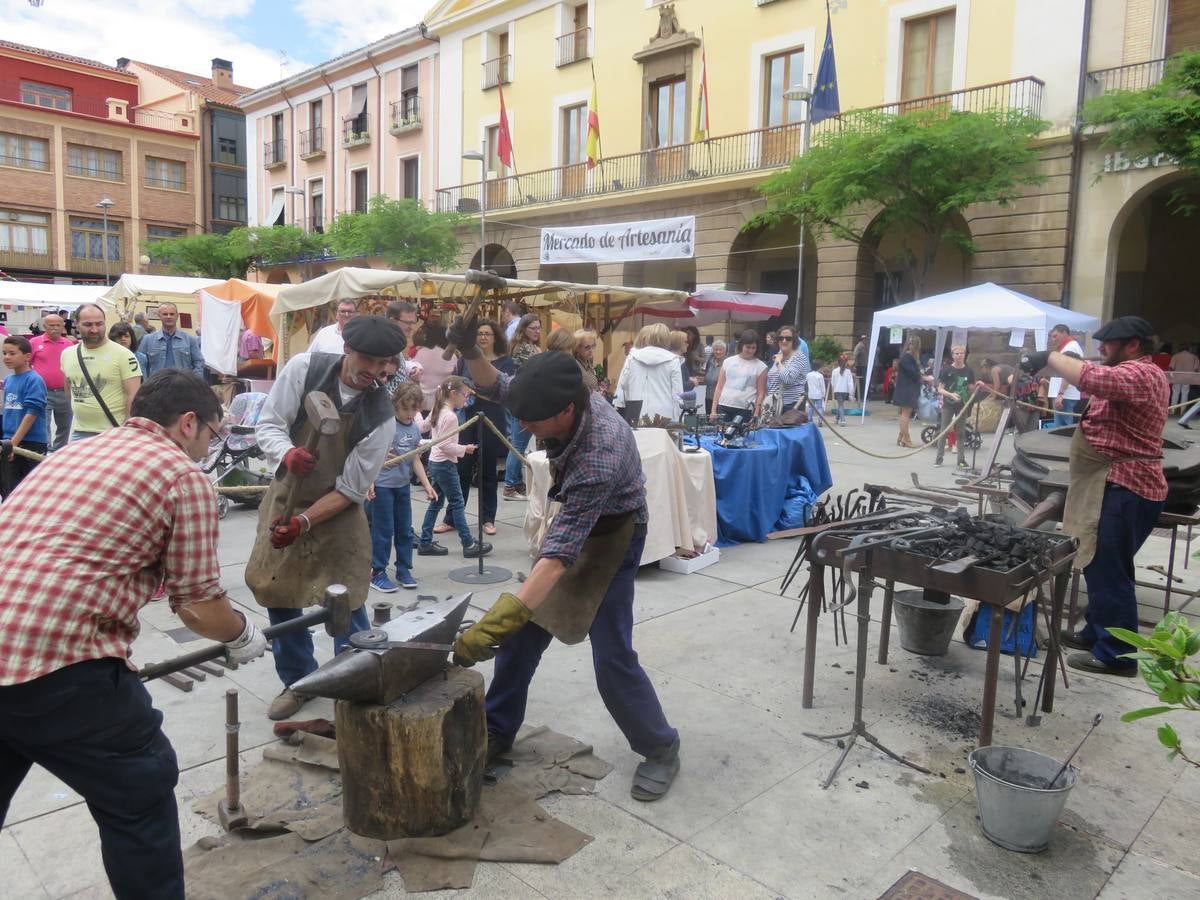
(485, 281)
(322, 414)
(232, 817)
(337, 601)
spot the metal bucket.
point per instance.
(1018, 808)
(926, 627)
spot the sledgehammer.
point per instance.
(230, 811)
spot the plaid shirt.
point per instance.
(597, 472)
(1125, 418)
(87, 537)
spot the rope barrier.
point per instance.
(504, 440)
(1060, 412)
(417, 451)
(937, 437)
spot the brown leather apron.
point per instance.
(1085, 496)
(335, 551)
(569, 608)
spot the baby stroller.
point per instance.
(928, 411)
(230, 455)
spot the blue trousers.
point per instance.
(624, 686)
(514, 472)
(1061, 418)
(391, 526)
(293, 652)
(1126, 520)
(444, 477)
(92, 724)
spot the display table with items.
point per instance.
(680, 495)
(770, 483)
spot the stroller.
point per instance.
(928, 411)
(230, 455)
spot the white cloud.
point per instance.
(182, 34)
(350, 25)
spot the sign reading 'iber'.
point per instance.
(620, 242)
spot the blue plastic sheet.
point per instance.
(768, 485)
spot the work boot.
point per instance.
(477, 550)
(1074, 641)
(287, 704)
(433, 548)
(656, 773)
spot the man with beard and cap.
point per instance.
(582, 583)
(1117, 487)
(327, 540)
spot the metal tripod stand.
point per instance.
(858, 728)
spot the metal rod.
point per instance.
(233, 789)
(1096, 721)
(479, 492)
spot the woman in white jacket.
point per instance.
(651, 374)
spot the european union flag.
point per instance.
(825, 101)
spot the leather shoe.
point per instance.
(1074, 641)
(1085, 662)
(433, 548)
(286, 705)
(477, 550)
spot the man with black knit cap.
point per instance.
(582, 583)
(1117, 487)
(327, 540)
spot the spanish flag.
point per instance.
(700, 132)
(593, 132)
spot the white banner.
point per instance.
(620, 242)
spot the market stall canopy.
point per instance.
(711, 306)
(981, 307)
(224, 309)
(136, 293)
(57, 296)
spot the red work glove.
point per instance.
(299, 462)
(285, 534)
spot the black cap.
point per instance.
(374, 336)
(544, 386)
(1125, 328)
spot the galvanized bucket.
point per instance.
(1018, 807)
(926, 627)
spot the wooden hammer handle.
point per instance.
(293, 494)
(472, 310)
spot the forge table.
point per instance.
(993, 588)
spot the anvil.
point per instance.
(373, 670)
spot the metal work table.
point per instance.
(993, 588)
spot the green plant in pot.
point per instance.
(1162, 659)
(824, 349)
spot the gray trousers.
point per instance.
(58, 404)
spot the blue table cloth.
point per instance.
(768, 485)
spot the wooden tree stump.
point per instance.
(415, 766)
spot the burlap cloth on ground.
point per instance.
(296, 846)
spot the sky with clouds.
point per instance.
(186, 34)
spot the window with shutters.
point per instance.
(409, 92)
(928, 55)
(574, 134)
(356, 123)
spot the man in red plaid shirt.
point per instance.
(118, 514)
(1120, 439)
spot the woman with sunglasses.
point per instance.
(742, 384)
(789, 368)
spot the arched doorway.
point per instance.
(1151, 249)
(765, 260)
(497, 260)
(889, 259)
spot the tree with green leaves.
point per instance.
(1163, 118)
(407, 235)
(912, 173)
(230, 255)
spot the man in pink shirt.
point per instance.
(46, 359)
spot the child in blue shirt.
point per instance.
(24, 414)
(391, 506)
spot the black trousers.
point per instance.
(92, 725)
(486, 457)
(12, 471)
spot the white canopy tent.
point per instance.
(40, 294)
(981, 307)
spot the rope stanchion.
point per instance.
(417, 451)
(1059, 412)
(950, 426)
(504, 440)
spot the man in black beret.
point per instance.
(1117, 487)
(582, 583)
(327, 540)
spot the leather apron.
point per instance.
(1085, 496)
(337, 551)
(569, 608)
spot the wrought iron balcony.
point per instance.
(356, 130)
(274, 154)
(406, 114)
(1135, 77)
(573, 47)
(497, 71)
(312, 142)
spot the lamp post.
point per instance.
(293, 190)
(480, 156)
(803, 94)
(104, 206)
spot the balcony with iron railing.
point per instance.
(103, 173)
(312, 143)
(356, 130)
(497, 71)
(1135, 77)
(573, 47)
(723, 156)
(12, 258)
(274, 154)
(406, 114)
(36, 163)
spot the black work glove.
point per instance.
(1035, 362)
(462, 335)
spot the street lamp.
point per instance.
(480, 156)
(801, 93)
(293, 190)
(104, 206)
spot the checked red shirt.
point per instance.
(1125, 418)
(85, 540)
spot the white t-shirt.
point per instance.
(842, 381)
(814, 385)
(741, 381)
(1069, 391)
(328, 340)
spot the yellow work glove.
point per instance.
(507, 616)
